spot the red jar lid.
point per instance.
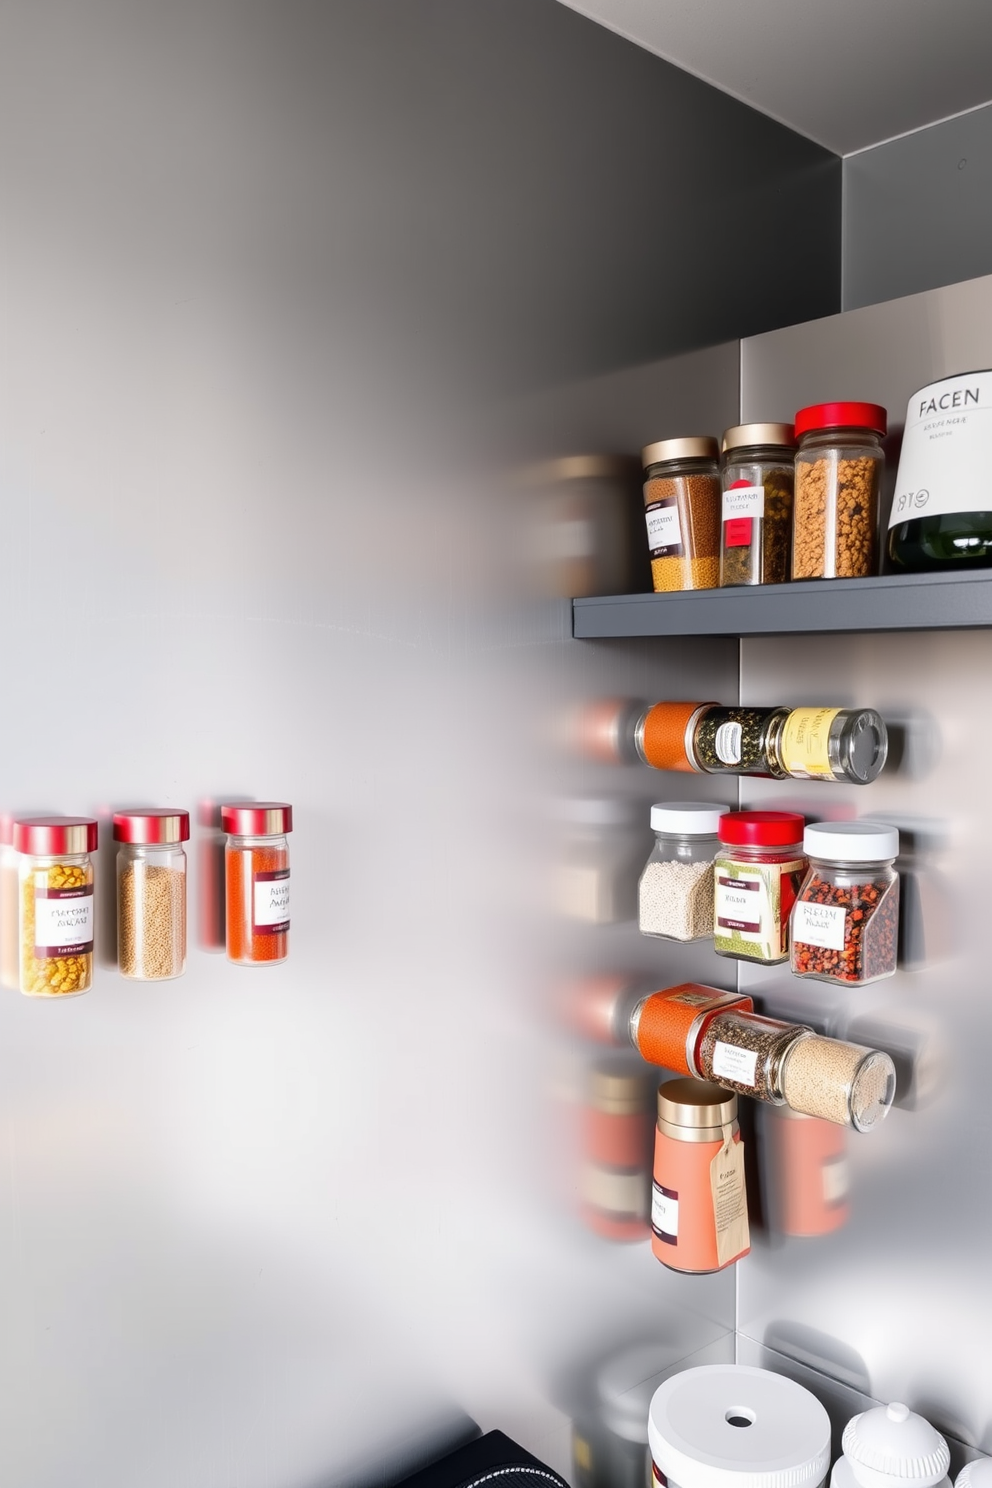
(762, 828)
(257, 818)
(841, 416)
(47, 836)
(156, 824)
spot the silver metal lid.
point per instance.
(696, 1103)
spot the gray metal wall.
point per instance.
(918, 211)
(266, 270)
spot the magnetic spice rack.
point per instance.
(929, 601)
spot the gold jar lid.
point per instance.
(696, 447)
(741, 436)
(696, 1103)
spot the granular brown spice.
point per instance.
(871, 930)
(151, 922)
(743, 1052)
(840, 1082)
(695, 563)
(834, 532)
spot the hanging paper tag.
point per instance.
(729, 1200)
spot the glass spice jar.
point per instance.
(848, 1084)
(665, 1027)
(757, 871)
(257, 881)
(845, 923)
(682, 510)
(151, 893)
(697, 1224)
(737, 740)
(849, 744)
(675, 891)
(838, 470)
(55, 927)
(744, 1052)
(756, 530)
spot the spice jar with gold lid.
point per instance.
(682, 510)
(55, 924)
(698, 1215)
(756, 526)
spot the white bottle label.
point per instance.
(836, 1180)
(665, 1213)
(743, 501)
(63, 922)
(271, 901)
(819, 925)
(732, 1063)
(664, 529)
(740, 903)
(728, 743)
(944, 450)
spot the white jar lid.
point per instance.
(892, 1447)
(688, 818)
(852, 841)
(734, 1426)
(977, 1474)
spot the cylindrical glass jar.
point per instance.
(682, 510)
(257, 881)
(756, 531)
(848, 744)
(737, 1426)
(757, 873)
(675, 892)
(837, 1081)
(744, 1052)
(665, 1027)
(690, 1214)
(845, 923)
(941, 515)
(736, 741)
(55, 923)
(663, 732)
(151, 893)
(838, 470)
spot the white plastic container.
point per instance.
(977, 1474)
(734, 1426)
(891, 1447)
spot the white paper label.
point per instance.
(741, 902)
(944, 450)
(819, 925)
(63, 921)
(743, 501)
(835, 1180)
(728, 743)
(663, 528)
(665, 1212)
(271, 901)
(732, 1063)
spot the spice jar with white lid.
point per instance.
(838, 470)
(757, 871)
(151, 893)
(256, 862)
(682, 510)
(845, 922)
(891, 1446)
(756, 530)
(977, 1474)
(675, 891)
(735, 1426)
(55, 923)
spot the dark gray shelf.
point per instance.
(892, 602)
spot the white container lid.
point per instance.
(852, 841)
(734, 1426)
(977, 1474)
(892, 1447)
(688, 818)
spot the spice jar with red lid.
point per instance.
(757, 875)
(838, 469)
(151, 893)
(55, 922)
(845, 924)
(257, 881)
